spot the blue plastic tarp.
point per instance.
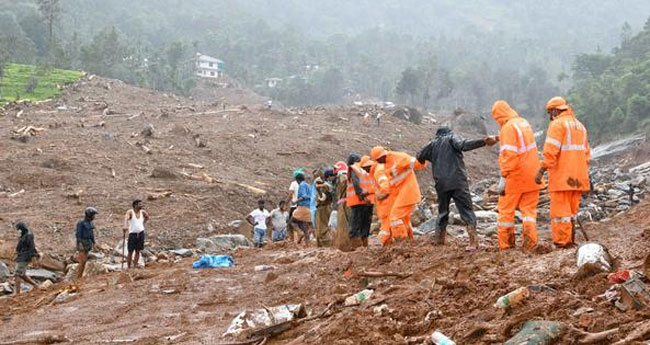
(214, 261)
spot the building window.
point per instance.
(211, 64)
(212, 74)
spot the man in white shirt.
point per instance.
(292, 199)
(279, 217)
(259, 219)
(134, 222)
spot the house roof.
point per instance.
(208, 58)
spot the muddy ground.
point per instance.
(455, 288)
(70, 165)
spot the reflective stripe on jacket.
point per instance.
(403, 183)
(366, 184)
(566, 154)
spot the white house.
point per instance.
(272, 82)
(209, 67)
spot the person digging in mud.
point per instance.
(25, 251)
(134, 222)
(445, 152)
(85, 235)
(260, 219)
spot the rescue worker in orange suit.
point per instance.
(445, 152)
(404, 188)
(383, 200)
(519, 163)
(566, 158)
(359, 198)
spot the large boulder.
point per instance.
(42, 274)
(222, 242)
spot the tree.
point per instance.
(409, 84)
(50, 10)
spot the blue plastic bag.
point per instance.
(214, 261)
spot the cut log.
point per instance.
(252, 189)
(370, 274)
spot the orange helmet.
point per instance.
(366, 162)
(377, 152)
(557, 103)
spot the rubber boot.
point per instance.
(364, 241)
(439, 237)
(473, 238)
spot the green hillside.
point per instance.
(33, 83)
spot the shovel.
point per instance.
(575, 221)
(123, 247)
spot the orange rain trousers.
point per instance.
(564, 206)
(400, 222)
(527, 203)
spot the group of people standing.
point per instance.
(344, 198)
(134, 225)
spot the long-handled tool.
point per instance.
(123, 248)
(575, 221)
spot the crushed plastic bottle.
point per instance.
(512, 298)
(440, 339)
(358, 297)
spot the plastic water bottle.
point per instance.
(440, 339)
(512, 298)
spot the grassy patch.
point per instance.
(34, 83)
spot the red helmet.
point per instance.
(340, 166)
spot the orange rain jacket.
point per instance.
(382, 185)
(566, 154)
(403, 183)
(366, 184)
(518, 158)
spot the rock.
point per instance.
(148, 130)
(93, 268)
(7, 250)
(615, 193)
(163, 256)
(210, 227)
(163, 173)
(230, 241)
(123, 278)
(46, 285)
(42, 274)
(183, 252)
(4, 272)
(236, 224)
(65, 297)
(271, 276)
(260, 268)
(426, 227)
(6, 288)
(52, 264)
(486, 216)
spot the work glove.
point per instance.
(501, 187)
(539, 176)
(491, 140)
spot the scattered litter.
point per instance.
(537, 333)
(512, 298)
(440, 339)
(251, 320)
(260, 268)
(358, 297)
(214, 261)
(618, 277)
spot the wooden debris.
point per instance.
(48, 339)
(75, 195)
(292, 153)
(639, 332)
(202, 177)
(252, 189)
(16, 194)
(383, 274)
(156, 196)
(26, 131)
(591, 338)
(193, 166)
(145, 149)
